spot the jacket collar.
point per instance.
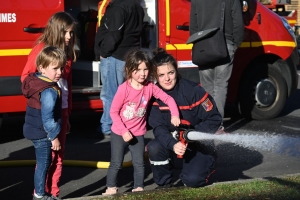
(44, 78)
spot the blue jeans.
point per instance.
(43, 161)
(137, 149)
(112, 75)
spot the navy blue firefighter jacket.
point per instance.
(195, 106)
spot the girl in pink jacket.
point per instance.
(128, 113)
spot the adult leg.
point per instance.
(222, 74)
(105, 121)
(112, 75)
(55, 170)
(118, 146)
(160, 165)
(120, 72)
(207, 77)
(137, 150)
(43, 160)
(197, 167)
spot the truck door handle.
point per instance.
(183, 28)
(259, 18)
(33, 30)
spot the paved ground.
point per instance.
(234, 163)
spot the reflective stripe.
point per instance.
(271, 43)
(118, 28)
(100, 12)
(165, 162)
(25, 52)
(121, 27)
(168, 31)
(188, 107)
(292, 21)
(243, 45)
(14, 52)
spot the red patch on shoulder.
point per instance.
(207, 105)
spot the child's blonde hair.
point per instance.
(134, 59)
(54, 33)
(51, 55)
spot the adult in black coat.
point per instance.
(205, 15)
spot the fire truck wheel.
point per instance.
(263, 93)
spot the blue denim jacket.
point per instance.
(48, 100)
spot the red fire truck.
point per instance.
(264, 72)
(279, 7)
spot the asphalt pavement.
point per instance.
(80, 181)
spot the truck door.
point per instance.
(177, 33)
(21, 23)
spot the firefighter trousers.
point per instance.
(196, 166)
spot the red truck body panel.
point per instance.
(265, 37)
(259, 38)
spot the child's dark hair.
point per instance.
(161, 57)
(134, 59)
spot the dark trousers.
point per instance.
(196, 166)
(137, 149)
(215, 79)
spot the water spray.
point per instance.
(276, 143)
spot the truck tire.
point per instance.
(263, 93)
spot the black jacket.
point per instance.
(195, 105)
(206, 14)
(120, 29)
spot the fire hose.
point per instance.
(185, 134)
(69, 163)
(73, 163)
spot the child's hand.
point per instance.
(127, 136)
(175, 120)
(55, 145)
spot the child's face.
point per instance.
(141, 74)
(68, 35)
(53, 72)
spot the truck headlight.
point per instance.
(289, 28)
